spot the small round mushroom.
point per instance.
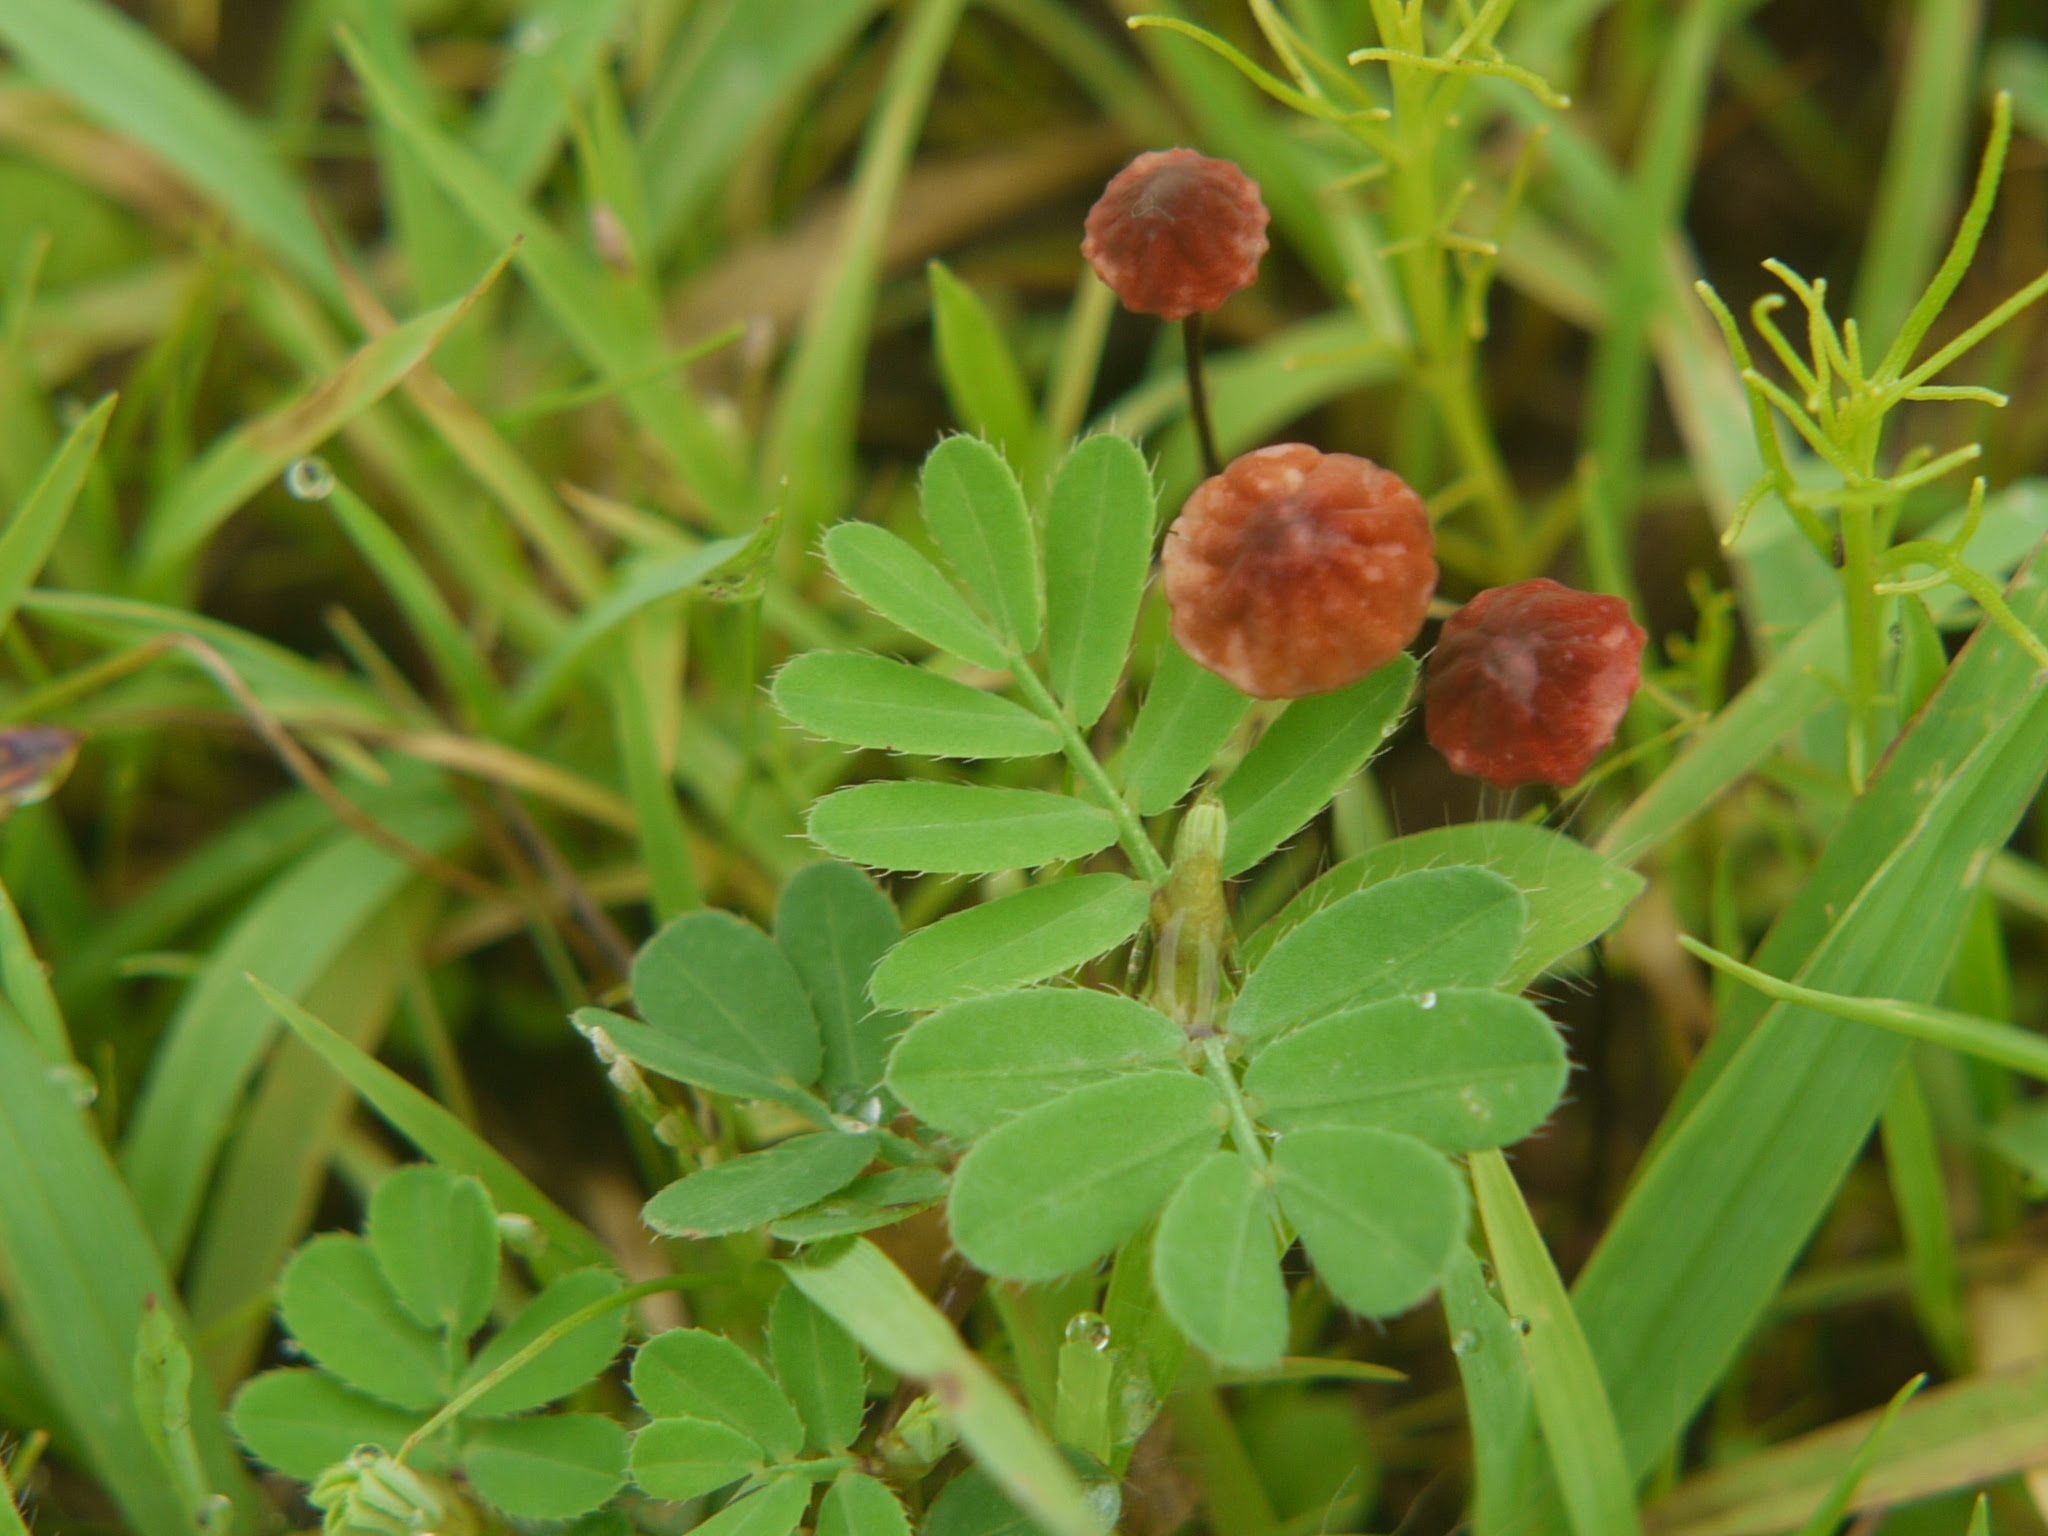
(1297, 572)
(1529, 683)
(1175, 233)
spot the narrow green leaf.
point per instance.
(879, 1200)
(721, 1008)
(774, 1511)
(1189, 715)
(443, 1137)
(1496, 1381)
(875, 1302)
(688, 1373)
(857, 1505)
(970, 1067)
(26, 986)
(1216, 1264)
(333, 1299)
(32, 532)
(1381, 1214)
(518, 129)
(910, 592)
(547, 1468)
(982, 380)
(564, 1365)
(302, 1422)
(957, 828)
(1827, 1519)
(1304, 759)
(1571, 1403)
(1015, 940)
(1459, 1069)
(1434, 928)
(1061, 1185)
(1098, 549)
(975, 510)
(871, 701)
(1573, 895)
(754, 1190)
(820, 1368)
(679, 1459)
(436, 1240)
(835, 924)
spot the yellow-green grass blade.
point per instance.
(444, 1138)
(257, 452)
(1717, 1218)
(270, 1178)
(27, 987)
(811, 439)
(1919, 1182)
(1961, 1435)
(520, 125)
(76, 1270)
(1571, 1404)
(292, 931)
(664, 836)
(32, 531)
(123, 76)
(617, 337)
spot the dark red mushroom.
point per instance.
(1529, 683)
(1175, 233)
(1296, 572)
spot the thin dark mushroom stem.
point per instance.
(1198, 394)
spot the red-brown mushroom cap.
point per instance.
(1296, 572)
(1175, 233)
(1529, 683)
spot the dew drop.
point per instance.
(309, 479)
(871, 1110)
(1521, 1325)
(520, 1232)
(1428, 1000)
(1466, 1343)
(535, 36)
(77, 1083)
(853, 1126)
(1088, 1328)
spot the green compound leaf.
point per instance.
(1060, 1186)
(722, 1009)
(774, 1511)
(334, 1301)
(1189, 715)
(1098, 548)
(688, 1373)
(857, 1505)
(1216, 1264)
(879, 1200)
(1305, 757)
(975, 510)
(1381, 1214)
(957, 829)
(687, 1458)
(820, 1368)
(1436, 928)
(754, 1190)
(968, 1068)
(1574, 895)
(982, 380)
(1459, 1069)
(302, 1422)
(436, 1240)
(834, 924)
(564, 1365)
(1012, 941)
(892, 578)
(549, 1468)
(871, 701)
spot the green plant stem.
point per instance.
(1243, 1133)
(1866, 639)
(1129, 830)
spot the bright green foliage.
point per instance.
(820, 1368)
(981, 376)
(957, 829)
(753, 1190)
(834, 925)
(870, 701)
(910, 592)
(1188, 716)
(879, 1200)
(975, 510)
(679, 1458)
(1012, 941)
(1098, 546)
(1380, 1255)
(687, 1373)
(354, 1305)
(857, 1505)
(1217, 1264)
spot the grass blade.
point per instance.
(33, 530)
(27, 988)
(1571, 1404)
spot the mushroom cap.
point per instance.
(1528, 683)
(1175, 233)
(1297, 572)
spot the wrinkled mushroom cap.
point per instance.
(1175, 233)
(1529, 683)
(1297, 572)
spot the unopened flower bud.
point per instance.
(1529, 683)
(1175, 233)
(1296, 572)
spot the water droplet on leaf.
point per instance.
(1088, 1328)
(1466, 1343)
(77, 1083)
(309, 479)
(1428, 1000)
(1521, 1325)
